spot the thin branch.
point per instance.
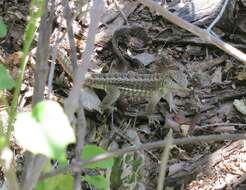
(41, 70)
(32, 168)
(222, 124)
(81, 126)
(80, 141)
(121, 12)
(164, 160)
(203, 127)
(69, 21)
(147, 146)
(203, 34)
(72, 102)
(218, 16)
(53, 61)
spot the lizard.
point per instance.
(153, 86)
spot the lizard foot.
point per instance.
(153, 119)
(173, 108)
(107, 108)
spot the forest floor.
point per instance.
(214, 105)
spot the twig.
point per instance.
(28, 38)
(41, 70)
(203, 34)
(80, 134)
(121, 12)
(164, 160)
(222, 124)
(69, 21)
(218, 17)
(81, 125)
(207, 163)
(52, 69)
(32, 168)
(147, 146)
(72, 102)
(37, 165)
(53, 56)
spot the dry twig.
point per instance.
(34, 164)
(147, 146)
(164, 160)
(218, 16)
(72, 102)
(81, 125)
(203, 34)
(69, 21)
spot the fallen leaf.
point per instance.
(144, 58)
(89, 100)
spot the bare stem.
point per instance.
(147, 146)
(203, 34)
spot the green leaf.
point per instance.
(46, 130)
(3, 142)
(6, 81)
(36, 11)
(99, 181)
(59, 182)
(89, 151)
(3, 29)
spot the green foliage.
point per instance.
(36, 11)
(117, 170)
(3, 29)
(127, 171)
(59, 182)
(89, 151)
(98, 181)
(45, 130)
(3, 142)
(6, 81)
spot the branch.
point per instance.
(34, 163)
(69, 21)
(164, 160)
(72, 102)
(158, 144)
(218, 16)
(203, 34)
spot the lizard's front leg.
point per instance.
(169, 98)
(154, 99)
(112, 95)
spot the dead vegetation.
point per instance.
(131, 37)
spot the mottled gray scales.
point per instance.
(153, 86)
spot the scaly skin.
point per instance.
(154, 86)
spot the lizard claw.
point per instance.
(152, 119)
(110, 109)
(173, 107)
